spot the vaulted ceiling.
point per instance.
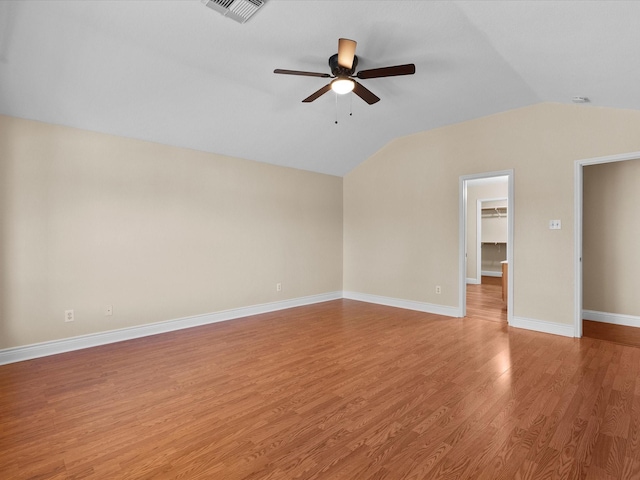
(178, 73)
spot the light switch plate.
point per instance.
(555, 224)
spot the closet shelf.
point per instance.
(489, 212)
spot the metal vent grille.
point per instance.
(238, 10)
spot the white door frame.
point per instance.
(462, 239)
(577, 228)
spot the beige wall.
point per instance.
(89, 220)
(493, 254)
(611, 233)
(478, 190)
(401, 205)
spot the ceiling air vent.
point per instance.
(238, 10)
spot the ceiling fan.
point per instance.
(343, 65)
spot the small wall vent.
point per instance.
(238, 10)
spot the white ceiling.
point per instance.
(178, 73)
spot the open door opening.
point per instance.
(606, 255)
(486, 245)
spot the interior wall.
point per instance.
(611, 228)
(477, 190)
(89, 220)
(401, 205)
(493, 254)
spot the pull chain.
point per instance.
(350, 106)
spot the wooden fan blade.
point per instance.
(317, 94)
(364, 93)
(298, 72)
(408, 69)
(346, 52)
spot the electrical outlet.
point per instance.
(68, 316)
(438, 289)
(278, 287)
(555, 224)
(108, 310)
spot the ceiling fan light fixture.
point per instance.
(343, 67)
(342, 85)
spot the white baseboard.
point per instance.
(543, 326)
(491, 273)
(473, 281)
(28, 352)
(407, 304)
(614, 318)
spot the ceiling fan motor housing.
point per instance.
(339, 71)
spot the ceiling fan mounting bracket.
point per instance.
(339, 71)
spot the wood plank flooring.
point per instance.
(484, 301)
(336, 390)
(612, 333)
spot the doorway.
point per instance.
(491, 227)
(482, 281)
(605, 263)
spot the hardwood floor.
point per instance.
(612, 333)
(337, 390)
(484, 301)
